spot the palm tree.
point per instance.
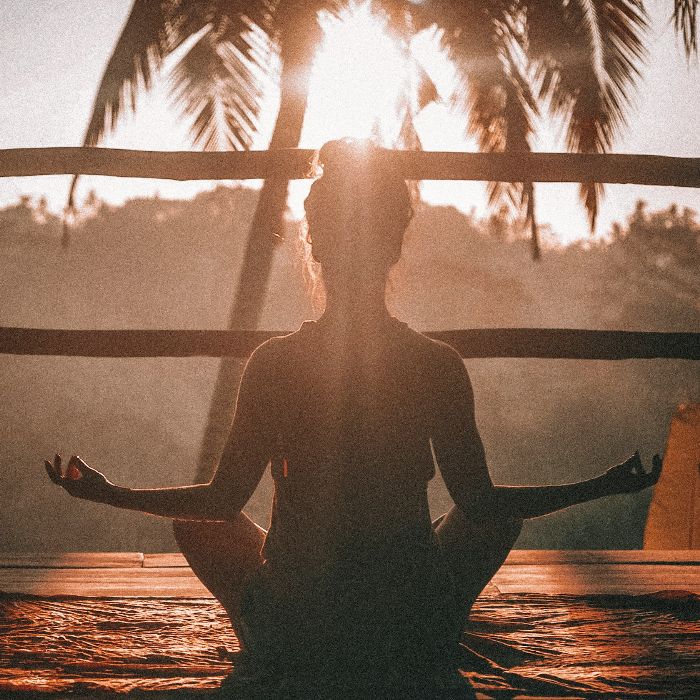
(576, 59)
(219, 83)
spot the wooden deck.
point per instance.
(133, 574)
(143, 626)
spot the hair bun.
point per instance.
(358, 198)
(343, 155)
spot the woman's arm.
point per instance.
(534, 501)
(198, 502)
(460, 455)
(242, 464)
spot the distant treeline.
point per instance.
(154, 263)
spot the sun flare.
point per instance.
(359, 76)
(357, 81)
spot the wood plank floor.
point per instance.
(133, 574)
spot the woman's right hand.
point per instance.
(630, 476)
(79, 479)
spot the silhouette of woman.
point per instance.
(352, 592)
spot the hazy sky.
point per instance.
(53, 53)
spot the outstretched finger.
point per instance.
(57, 465)
(51, 472)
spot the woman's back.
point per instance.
(352, 566)
(352, 419)
(355, 591)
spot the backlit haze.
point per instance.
(152, 264)
(54, 53)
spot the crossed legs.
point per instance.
(224, 554)
(475, 545)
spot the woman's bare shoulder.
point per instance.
(434, 350)
(275, 349)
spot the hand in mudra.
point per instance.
(630, 477)
(79, 479)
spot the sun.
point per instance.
(358, 77)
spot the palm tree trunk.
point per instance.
(267, 230)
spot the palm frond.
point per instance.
(218, 83)
(515, 125)
(138, 54)
(587, 54)
(187, 17)
(398, 16)
(685, 20)
(493, 92)
(418, 92)
(425, 89)
(153, 30)
(470, 35)
(418, 89)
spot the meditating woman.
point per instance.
(352, 592)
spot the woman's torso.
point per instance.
(351, 418)
(352, 568)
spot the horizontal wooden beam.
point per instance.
(296, 163)
(545, 343)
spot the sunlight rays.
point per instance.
(358, 76)
(357, 80)
(356, 86)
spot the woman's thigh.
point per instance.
(223, 555)
(475, 546)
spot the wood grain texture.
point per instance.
(525, 571)
(164, 559)
(71, 560)
(602, 556)
(538, 645)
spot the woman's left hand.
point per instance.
(79, 479)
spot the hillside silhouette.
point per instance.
(154, 263)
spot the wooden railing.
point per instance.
(554, 343)
(297, 163)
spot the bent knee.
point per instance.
(189, 533)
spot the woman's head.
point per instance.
(357, 211)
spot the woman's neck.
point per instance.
(356, 308)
